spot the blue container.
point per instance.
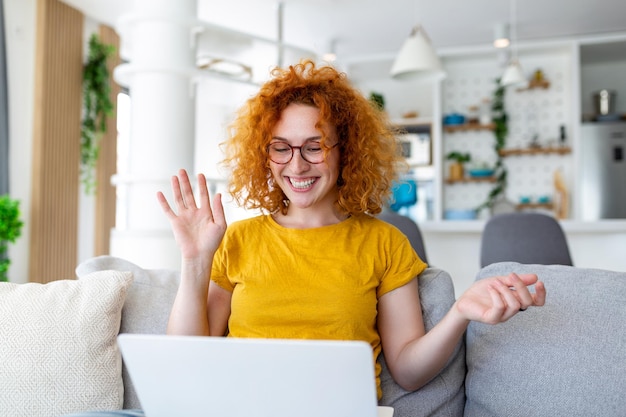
(453, 119)
(404, 194)
(460, 214)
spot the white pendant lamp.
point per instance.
(513, 74)
(417, 59)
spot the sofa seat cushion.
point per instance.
(566, 358)
(58, 350)
(444, 395)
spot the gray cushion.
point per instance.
(147, 307)
(567, 358)
(444, 395)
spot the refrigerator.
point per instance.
(603, 170)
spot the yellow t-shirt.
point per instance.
(320, 283)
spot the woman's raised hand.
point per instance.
(497, 299)
(198, 226)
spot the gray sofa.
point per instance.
(567, 358)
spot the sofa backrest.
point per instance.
(566, 358)
(148, 303)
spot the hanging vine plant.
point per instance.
(97, 105)
(501, 130)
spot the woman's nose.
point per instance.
(298, 162)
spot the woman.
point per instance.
(319, 160)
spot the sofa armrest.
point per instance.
(444, 394)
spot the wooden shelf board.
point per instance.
(467, 127)
(536, 84)
(535, 151)
(522, 206)
(470, 179)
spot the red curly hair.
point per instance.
(370, 155)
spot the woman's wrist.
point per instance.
(457, 316)
(197, 269)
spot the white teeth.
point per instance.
(301, 184)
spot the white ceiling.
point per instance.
(366, 27)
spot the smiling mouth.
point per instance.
(301, 184)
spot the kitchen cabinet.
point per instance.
(602, 66)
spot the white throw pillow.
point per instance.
(58, 349)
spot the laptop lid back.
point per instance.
(231, 377)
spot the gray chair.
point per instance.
(527, 238)
(409, 228)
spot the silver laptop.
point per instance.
(230, 377)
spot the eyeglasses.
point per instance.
(282, 153)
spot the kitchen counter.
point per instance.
(569, 226)
(454, 246)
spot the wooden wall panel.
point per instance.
(107, 161)
(56, 142)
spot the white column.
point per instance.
(157, 39)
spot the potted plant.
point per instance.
(457, 170)
(378, 99)
(10, 230)
(97, 106)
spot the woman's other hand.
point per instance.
(497, 299)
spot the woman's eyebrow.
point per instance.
(312, 138)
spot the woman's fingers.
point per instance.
(512, 299)
(183, 192)
(218, 210)
(539, 297)
(188, 199)
(167, 209)
(522, 293)
(184, 198)
(519, 283)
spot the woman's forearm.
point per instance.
(189, 315)
(423, 358)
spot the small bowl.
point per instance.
(481, 172)
(454, 119)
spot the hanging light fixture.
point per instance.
(417, 59)
(330, 55)
(501, 35)
(513, 74)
